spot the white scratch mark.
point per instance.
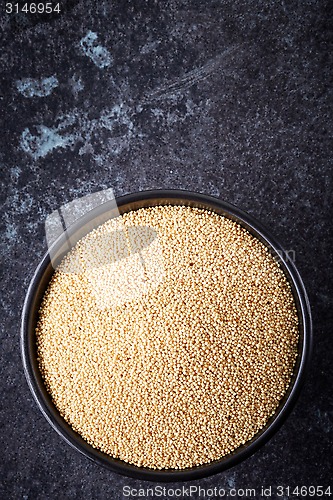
(76, 85)
(99, 55)
(37, 87)
(77, 126)
(45, 141)
(188, 79)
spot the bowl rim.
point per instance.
(168, 475)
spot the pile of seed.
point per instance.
(191, 360)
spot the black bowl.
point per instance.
(40, 282)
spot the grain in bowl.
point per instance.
(189, 365)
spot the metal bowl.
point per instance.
(41, 280)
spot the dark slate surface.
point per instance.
(228, 98)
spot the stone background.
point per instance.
(231, 98)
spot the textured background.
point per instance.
(229, 98)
